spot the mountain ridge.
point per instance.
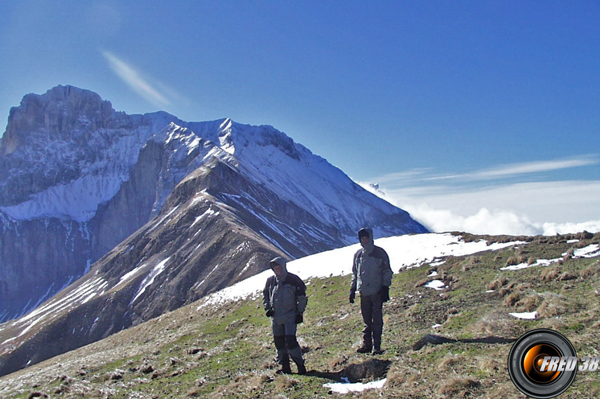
(182, 209)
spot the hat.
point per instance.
(363, 233)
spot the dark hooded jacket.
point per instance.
(285, 294)
(371, 268)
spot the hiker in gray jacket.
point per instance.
(372, 277)
(284, 299)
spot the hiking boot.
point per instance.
(301, 369)
(285, 365)
(377, 351)
(285, 369)
(364, 349)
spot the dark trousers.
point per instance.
(286, 344)
(371, 309)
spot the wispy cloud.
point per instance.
(423, 176)
(536, 167)
(137, 82)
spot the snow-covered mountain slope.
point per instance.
(78, 177)
(77, 151)
(154, 212)
(296, 175)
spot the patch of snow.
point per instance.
(82, 294)
(163, 218)
(77, 200)
(539, 262)
(274, 242)
(207, 276)
(126, 277)
(437, 285)
(525, 315)
(158, 269)
(247, 266)
(344, 388)
(591, 251)
(208, 212)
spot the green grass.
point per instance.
(227, 352)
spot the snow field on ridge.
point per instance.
(404, 251)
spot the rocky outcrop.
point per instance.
(73, 184)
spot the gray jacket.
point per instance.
(371, 269)
(285, 294)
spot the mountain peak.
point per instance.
(63, 112)
(85, 190)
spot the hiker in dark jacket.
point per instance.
(372, 277)
(284, 299)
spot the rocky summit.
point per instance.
(111, 219)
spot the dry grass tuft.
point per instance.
(512, 299)
(403, 378)
(591, 271)
(491, 364)
(421, 283)
(283, 383)
(457, 386)
(338, 361)
(497, 323)
(552, 306)
(550, 274)
(497, 283)
(516, 260)
(528, 303)
(568, 276)
(469, 263)
(450, 363)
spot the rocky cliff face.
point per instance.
(67, 170)
(162, 211)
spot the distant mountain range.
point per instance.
(129, 216)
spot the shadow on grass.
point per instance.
(371, 369)
(438, 339)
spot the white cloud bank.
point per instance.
(498, 221)
(528, 208)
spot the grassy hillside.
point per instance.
(227, 351)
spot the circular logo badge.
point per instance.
(542, 363)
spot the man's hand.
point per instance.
(352, 295)
(269, 312)
(299, 318)
(385, 293)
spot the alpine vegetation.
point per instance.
(441, 340)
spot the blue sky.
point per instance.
(480, 115)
